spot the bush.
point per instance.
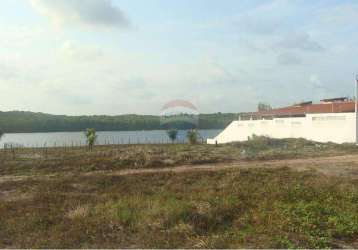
(265, 148)
(91, 137)
(309, 220)
(172, 133)
(192, 136)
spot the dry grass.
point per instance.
(78, 212)
(230, 209)
(258, 208)
(105, 158)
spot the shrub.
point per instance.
(309, 219)
(172, 133)
(91, 137)
(192, 136)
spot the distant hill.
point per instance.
(20, 121)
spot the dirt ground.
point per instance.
(345, 166)
(339, 166)
(287, 190)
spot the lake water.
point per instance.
(104, 137)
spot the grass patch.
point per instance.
(230, 209)
(111, 158)
(253, 208)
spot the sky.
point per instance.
(132, 56)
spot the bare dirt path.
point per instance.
(341, 166)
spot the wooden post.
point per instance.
(13, 152)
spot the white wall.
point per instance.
(332, 127)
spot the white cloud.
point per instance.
(19, 36)
(72, 51)
(90, 13)
(270, 55)
(300, 41)
(314, 79)
(340, 15)
(277, 30)
(268, 18)
(287, 58)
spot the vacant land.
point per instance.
(262, 193)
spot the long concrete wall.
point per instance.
(332, 127)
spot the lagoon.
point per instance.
(58, 139)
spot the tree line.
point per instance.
(27, 122)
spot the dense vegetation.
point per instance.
(18, 121)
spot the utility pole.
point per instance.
(356, 107)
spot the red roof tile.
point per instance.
(335, 107)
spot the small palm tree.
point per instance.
(192, 136)
(172, 133)
(91, 137)
(1, 134)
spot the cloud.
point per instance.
(268, 18)
(283, 48)
(16, 74)
(134, 87)
(6, 72)
(279, 28)
(318, 88)
(90, 13)
(73, 51)
(300, 41)
(210, 72)
(315, 81)
(19, 36)
(68, 96)
(288, 59)
(342, 15)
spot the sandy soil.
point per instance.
(341, 166)
(345, 166)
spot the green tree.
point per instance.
(192, 136)
(1, 134)
(27, 122)
(91, 137)
(172, 133)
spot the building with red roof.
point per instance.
(330, 120)
(335, 105)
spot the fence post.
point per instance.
(45, 147)
(13, 152)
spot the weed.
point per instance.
(252, 208)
